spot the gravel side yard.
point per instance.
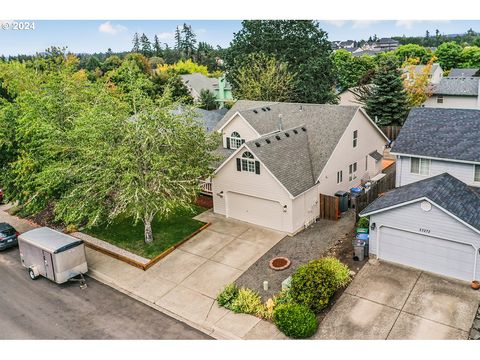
(308, 245)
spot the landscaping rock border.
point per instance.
(475, 330)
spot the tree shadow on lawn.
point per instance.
(124, 233)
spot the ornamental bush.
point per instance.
(314, 284)
(247, 301)
(295, 320)
(227, 295)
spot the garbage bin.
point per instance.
(343, 195)
(359, 250)
(364, 237)
(354, 192)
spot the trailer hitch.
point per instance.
(81, 280)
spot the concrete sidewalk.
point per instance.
(185, 283)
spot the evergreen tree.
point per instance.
(207, 100)
(136, 43)
(145, 46)
(387, 102)
(178, 39)
(189, 41)
(157, 48)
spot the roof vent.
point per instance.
(267, 141)
(263, 109)
(301, 107)
(303, 129)
(255, 111)
(257, 144)
(287, 134)
(268, 108)
(278, 137)
(295, 131)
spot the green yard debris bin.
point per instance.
(343, 196)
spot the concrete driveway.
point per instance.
(387, 301)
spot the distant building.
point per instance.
(464, 73)
(386, 44)
(434, 75)
(197, 82)
(455, 92)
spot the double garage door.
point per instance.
(428, 253)
(254, 210)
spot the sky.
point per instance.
(89, 36)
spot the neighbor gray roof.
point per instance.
(418, 69)
(459, 86)
(387, 41)
(209, 118)
(243, 105)
(48, 239)
(445, 190)
(441, 133)
(376, 155)
(198, 82)
(464, 72)
(287, 155)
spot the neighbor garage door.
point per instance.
(427, 253)
(254, 210)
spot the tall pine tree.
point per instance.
(136, 43)
(387, 101)
(145, 46)
(157, 48)
(189, 41)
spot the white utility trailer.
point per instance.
(52, 254)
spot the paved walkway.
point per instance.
(185, 283)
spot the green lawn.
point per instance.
(129, 236)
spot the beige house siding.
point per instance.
(369, 140)
(241, 126)
(457, 102)
(348, 98)
(306, 208)
(264, 186)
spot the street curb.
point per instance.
(215, 332)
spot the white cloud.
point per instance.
(200, 31)
(112, 29)
(407, 24)
(166, 35)
(336, 23)
(363, 24)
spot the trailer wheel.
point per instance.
(32, 275)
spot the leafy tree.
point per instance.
(145, 46)
(184, 67)
(417, 84)
(387, 100)
(111, 63)
(136, 43)
(413, 51)
(262, 77)
(301, 44)
(470, 57)
(93, 63)
(449, 55)
(207, 100)
(349, 70)
(170, 79)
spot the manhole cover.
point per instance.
(279, 263)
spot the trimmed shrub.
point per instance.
(227, 295)
(314, 284)
(363, 222)
(283, 297)
(295, 320)
(247, 301)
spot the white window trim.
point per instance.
(355, 139)
(235, 142)
(247, 163)
(440, 99)
(352, 175)
(474, 168)
(419, 166)
(339, 176)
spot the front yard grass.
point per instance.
(166, 233)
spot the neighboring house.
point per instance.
(464, 73)
(386, 44)
(432, 224)
(197, 82)
(370, 52)
(435, 73)
(455, 92)
(434, 141)
(210, 118)
(282, 156)
(349, 97)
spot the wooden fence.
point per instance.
(391, 131)
(329, 207)
(380, 187)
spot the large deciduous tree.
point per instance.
(301, 44)
(417, 84)
(350, 70)
(262, 77)
(449, 55)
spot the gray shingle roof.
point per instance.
(287, 156)
(376, 155)
(459, 86)
(198, 82)
(243, 105)
(418, 69)
(441, 133)
(463, 72)
(445, 190)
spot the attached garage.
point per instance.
(432, 225)
(255, 210)
(433, 254)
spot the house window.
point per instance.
(366, 163)
(419, 166)
(235, 141)
(355, 138)
(352, 171)
(440, 99)
(476, 176)
(248, 162)
(339, 177)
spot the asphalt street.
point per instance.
(41, 309)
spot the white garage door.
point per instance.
(427, 253)
(254, 210)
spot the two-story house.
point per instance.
(279, 157)
(435, 73)
(431, 221)
(455, 92)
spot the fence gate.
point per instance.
(329, 207)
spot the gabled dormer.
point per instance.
(236, 131)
